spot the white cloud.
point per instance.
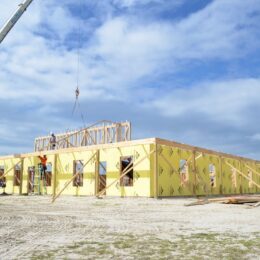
(217, 32)
(255, 137)
(38, 63)
(221, 101)
(135, 50)
(131, 3)
(122, 50)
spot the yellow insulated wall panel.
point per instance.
(248, 186)
(141, 171)
(170, 180)
(208, 174)
(174, 170)
(8, 165)
(189, 171)
(65, 169)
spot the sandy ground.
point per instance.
(126, 228)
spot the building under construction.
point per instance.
(103, 160)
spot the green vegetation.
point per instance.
(196, 246)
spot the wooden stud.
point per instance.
(97, 172)
(221, 174)
(242, 174)
(257, 173)
(21, 177)
(194, 171)
(54, 174)
(155, 173)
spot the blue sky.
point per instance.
(183, 70)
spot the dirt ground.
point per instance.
(126, 228)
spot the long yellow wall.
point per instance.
(62, 171)
(155, 174)
(199, 181)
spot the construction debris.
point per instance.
(229, 200)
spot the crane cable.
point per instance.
(77, 92)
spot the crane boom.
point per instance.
(14, 18)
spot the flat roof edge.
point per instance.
(154, 140)
(200, 149)
(83, 148)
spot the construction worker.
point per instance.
(43, 165)
(53, 141)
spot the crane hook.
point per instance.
(77, 92)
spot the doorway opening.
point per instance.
(102, 176)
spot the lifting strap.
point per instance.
(77, 92)
(77, 104)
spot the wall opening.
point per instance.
(212, 175)
(48, 175)
(78, 169)
(31, 175)
(184, 172)
(2, 180)
(126, 163)
(17, 174)
(102, 176)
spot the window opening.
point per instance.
(2, 180)
(126, 163)
(17, 175)
(31, 175)
(78, 169)
(48, 175)
(184, 171)
(102, 175)
(212, 175)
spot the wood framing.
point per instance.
(257, 173)
(54, 175)
(21, 178)
(104, 132)
(97, 165)
(243, 175)
(194, 171)
(155, 172)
